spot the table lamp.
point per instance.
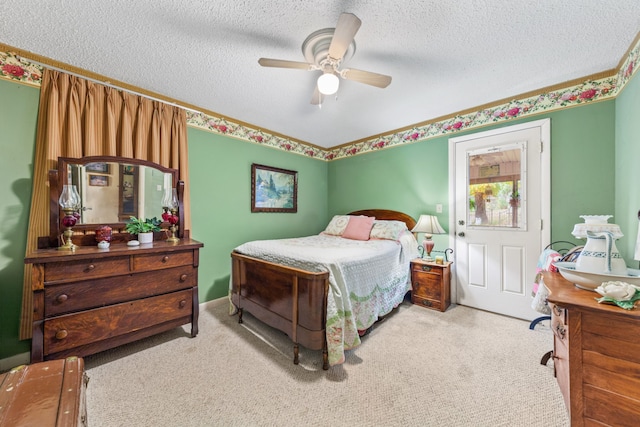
(429, 225)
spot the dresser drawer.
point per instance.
(427, 285)
(68, 297)
(73, 330)
(425, 302)
(426, 269)
(163, 260)
(85, 269)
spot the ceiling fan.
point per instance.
(325, 50)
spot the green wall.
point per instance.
(627, 167)
(411, 178)
(414, 178)
(220, 176)
(18, 117)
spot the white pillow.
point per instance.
(337, 225)
(388, 230)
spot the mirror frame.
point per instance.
(84, 234)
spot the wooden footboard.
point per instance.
(286, 298)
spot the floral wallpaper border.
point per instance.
(19, 69)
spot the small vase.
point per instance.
(145, 237)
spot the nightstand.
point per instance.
(431, 284)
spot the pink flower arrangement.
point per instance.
(513, 111)
(588, 94)
(14, 70)
(379, 144)
(455, 126)
(629, 70)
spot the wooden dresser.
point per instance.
(91, 299)
(596, 355)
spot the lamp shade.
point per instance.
(328, 83)
(428, 224)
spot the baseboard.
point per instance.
(13, 361)
(215, 302)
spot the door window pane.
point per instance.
(495, 188)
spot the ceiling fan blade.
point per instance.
(281, 63)
(346, 29)
(366, 77)
(316, 98)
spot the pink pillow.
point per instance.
(358, 228)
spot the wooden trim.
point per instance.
(387, 215)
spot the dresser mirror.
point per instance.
(111, 190)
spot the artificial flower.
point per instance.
(622, 294)
(619, 291)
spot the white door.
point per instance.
(500, 215)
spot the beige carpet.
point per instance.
(418, 367)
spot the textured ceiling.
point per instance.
(444, 56)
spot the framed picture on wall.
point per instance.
(99, 180)
(273, 189)
(97, 167)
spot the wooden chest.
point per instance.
(90, 300)
(44, 394)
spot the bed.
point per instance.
(324, 291)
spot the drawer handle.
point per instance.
(183, 277)
(91, 267)
(182, 303)
(62, 298)
(558, 310)
(427, 303)
(426, 268)
(62, 334)
(561, 331)
(165, 258)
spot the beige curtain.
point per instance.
(79, 118)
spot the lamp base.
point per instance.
(428, 245)
(67, 244)
(172, 237)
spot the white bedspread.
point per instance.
(367, 278)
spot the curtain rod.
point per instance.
(111, 85)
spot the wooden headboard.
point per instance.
(387, 215)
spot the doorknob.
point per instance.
(461, 234)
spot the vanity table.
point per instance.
(89, 299)
(596, 355)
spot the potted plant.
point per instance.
(514, 200)
(143, 228)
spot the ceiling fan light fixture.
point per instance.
(328, 83)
